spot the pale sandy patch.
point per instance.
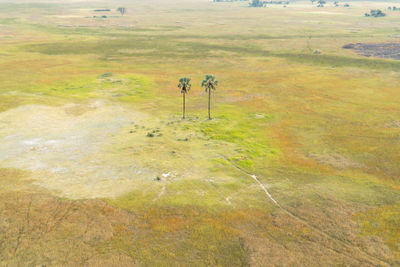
(71, 150)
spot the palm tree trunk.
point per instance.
(209, 103)
(184, 106)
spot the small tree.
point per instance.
(209, 83)
(184, 85)
(256, 3)
(321, 3)
(121, 10)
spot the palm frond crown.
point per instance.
(184, 85)
(209, 83)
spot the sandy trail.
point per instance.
(71, 150)
(256, 179)
(372, 259)
(265, 189)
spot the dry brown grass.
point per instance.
(38, 229)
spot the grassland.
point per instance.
(320, 132)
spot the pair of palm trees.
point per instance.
(209, 83)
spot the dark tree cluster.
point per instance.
(256, 3)
(321, 3)
(375, 13)
(336, 4)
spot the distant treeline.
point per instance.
(394, 8)
(121, 10)
(229, 0)
(259, 2)
(276, 2)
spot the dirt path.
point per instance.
(160, 194)
(371, 259)
(256, 179)
(265, 189)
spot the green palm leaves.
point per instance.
(184, 85)
(209, 83)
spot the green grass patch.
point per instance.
(251, 143)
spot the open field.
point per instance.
(300, 165)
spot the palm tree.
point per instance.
(209, 83)
(184, 85)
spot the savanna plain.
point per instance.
(299, 165)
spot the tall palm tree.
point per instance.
(209, 83)
(184, 85)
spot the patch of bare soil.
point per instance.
(41, 230)
(382, 50)
(71, 150)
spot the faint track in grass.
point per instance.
(371, 259)
(160, 194)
